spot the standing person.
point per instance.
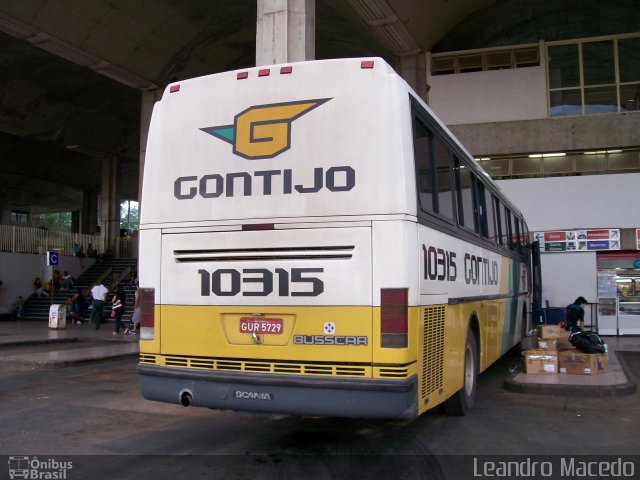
(117, 308)
(135, 318)
(99, 293)
(79, 305)
(575, 315)
(56, 281)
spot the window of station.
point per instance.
(562, 163)
(18, 216)
(594, 162)
(496, 167)
(495, 59)
(470, 63)
(558, 164)
(624, 160)
(591, 76)
(527, 166)
(629, 97)
(498, 60)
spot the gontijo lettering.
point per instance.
(266, 182)
(440, 265)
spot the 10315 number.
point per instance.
(229, 282)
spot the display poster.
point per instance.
(607, 284)
(637, 238)
(580, 240)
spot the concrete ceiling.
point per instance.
(72, 71)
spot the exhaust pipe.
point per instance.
(186, 399)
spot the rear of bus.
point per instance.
(278, 242)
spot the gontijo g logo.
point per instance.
(263, 131)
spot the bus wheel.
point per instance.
(460, 403)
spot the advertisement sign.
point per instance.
(581, 240)
(637, 238)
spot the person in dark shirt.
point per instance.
(575, 315)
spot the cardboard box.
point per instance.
(563, 344)
(578, 363)
(548, 344)
(550, 331)
(540, 362)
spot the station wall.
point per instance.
(19, 270)
(489, 96)
(573, 203)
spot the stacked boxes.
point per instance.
(541, 362)
(579, 363)
(555, 354)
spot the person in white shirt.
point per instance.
(99, 294)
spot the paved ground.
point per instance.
(92, 415)
(31, 344)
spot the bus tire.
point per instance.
(460, 403)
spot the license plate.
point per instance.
(261, 325)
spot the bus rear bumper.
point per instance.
(281, 394)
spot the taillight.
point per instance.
(394, 317)
(252, 227)
(147, 303)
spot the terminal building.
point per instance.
(544, 94)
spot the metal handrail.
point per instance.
(117, 281)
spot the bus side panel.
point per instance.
(394, 266)
(149, 277)
(466, 281)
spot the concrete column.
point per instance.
(75, 221)
(110, 204)
(285, 31)
(413, 68)
(89, 213)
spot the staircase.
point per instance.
(37, 308)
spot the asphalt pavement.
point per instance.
(33, 344)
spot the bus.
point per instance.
(315, 241)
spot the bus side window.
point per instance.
(443, 177)
(517, 238)
(467, 206)
(524, 237)
(504, 227)
(423, 155)
(485, 209)
(525, 233)
(433, 171)
(499, 222)
(509, 228)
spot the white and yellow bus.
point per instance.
(314, 241)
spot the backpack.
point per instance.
(587, 342)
